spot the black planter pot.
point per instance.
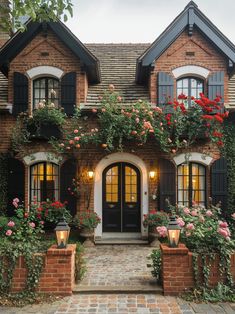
(44, 131)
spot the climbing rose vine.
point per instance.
(171, 127)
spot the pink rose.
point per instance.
(188, 234)
(180, 222)
(173, 151)
(62, 144)
(162, 231)
(111, 87)
(94, 110)
(186, 210)
(147, 125)
(8, 232)
(190, 226)
(42, 222)
(194, 213)
(133, 132)
(223, 224)
(119, 98)
(11, 224)
(32, 224)
(137, 120)
(71, 142)
(16, 200)
(209, 213)
(103, 109)
(77, 138)
(223, 232)
(75, 131)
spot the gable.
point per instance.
(20, 40)
(191, 19)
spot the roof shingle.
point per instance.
(118, 67)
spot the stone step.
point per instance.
(156, 289)
(120, 241)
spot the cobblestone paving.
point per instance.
(117, 265)
(122, 304)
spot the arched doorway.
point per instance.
(104, 163)
(121, 198)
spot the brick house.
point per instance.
(190, 56)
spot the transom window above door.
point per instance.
(46, 89)
(191, 184)
(190, 86)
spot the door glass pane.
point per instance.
(131, 186)
(112, 185)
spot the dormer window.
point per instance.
(46, 89)
(191, 87)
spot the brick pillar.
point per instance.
(58, 273)
(4, 35)
(176, 269)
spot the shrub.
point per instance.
(87, 219)
(155, 219)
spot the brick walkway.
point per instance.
(122, 304)
(118, 266)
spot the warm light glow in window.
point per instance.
(191, 184)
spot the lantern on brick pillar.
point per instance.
(173, 231)
(62, 231)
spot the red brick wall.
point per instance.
(177, 270)
(59, 56)
(205, 55)
(58, 272)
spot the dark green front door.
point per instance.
(121, 198)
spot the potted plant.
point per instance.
(156, 222)
(53, 212)
(87, 221)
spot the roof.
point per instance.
(20, 39)
(118, 66)
(190, 18)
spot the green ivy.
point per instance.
(3, 183)
(9, 256)
(80, 265)
(156, 258)
(229, 153)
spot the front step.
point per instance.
(156, 289)
(121, 242)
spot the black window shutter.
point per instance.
(219, 183)
(167, 183)
(216, 87)
(165, 91)
(16, 183)
(68, 92)
(67, 173)
(20, 82)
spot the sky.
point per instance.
(139, 21)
